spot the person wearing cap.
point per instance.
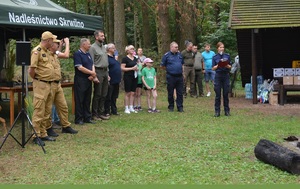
(99, 56)
(149, 81)
(115, 75)
(41, 70)
(221, 64)
(57, 91)
(173, 62)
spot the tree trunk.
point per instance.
(177, 26)
(88, 7)
(278, 156)
(217, 13)
(162, 27)
(110, 17)
(120, 30)
(186, 21)
(146, 22)
(74, 6)
(136, 26)
(119, 27)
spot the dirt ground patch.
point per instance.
(291, 108)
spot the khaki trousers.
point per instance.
(42, 104)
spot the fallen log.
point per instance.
(279, 156)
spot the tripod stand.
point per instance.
(22, 114)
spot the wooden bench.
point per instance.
(282, 91)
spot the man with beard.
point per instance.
(100, 59)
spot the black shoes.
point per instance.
(51, 132)
(47, 138)
(69, 130)
(180, 110)
(171, 110)
(90, 121)
(104, 117)
(38, 141)
(227, 113)
(217, 114)
(79, 123)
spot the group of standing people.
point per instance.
(98, 75)
(97, 71)
(191, 65)
(96, 65)
(138, 73)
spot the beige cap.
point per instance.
(56, 40)
(48, 35)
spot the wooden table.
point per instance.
(18, 89)
(282, 91)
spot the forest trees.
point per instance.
(154, 24)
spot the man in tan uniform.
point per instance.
(41, 70)
(57, 91)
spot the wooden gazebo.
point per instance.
(268, 36)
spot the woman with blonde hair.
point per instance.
(130, 68)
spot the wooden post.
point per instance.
(279, 156)
(254, 66)
(281, 95)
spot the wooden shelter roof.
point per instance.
(248, 14)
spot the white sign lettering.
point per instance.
(44, 20)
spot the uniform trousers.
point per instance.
(198, 83)
(42, 103)
(189, 75)
(83, 95)
(175, 82)
(61, 105)
(100, 92)
(222, 83)
(111, 99)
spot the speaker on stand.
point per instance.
(23, 53)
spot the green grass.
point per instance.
(165, 148)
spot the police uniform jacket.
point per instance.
(217, 58)
(173, 63)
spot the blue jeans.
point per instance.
(55, 118)
(209, 75)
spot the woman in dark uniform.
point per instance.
(221, 64)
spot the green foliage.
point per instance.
(11, 60)
(29, 105)
(223, 34)
(211, 27)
